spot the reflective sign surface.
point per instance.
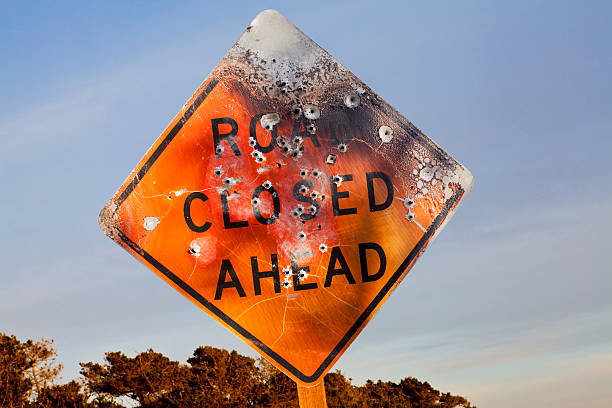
(286, 199)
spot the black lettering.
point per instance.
(336, 255)
(227, 223)
(341, 130)
(229, 137)
(297, 285)
(363, 260)
(253, 134)
(275, 203)
(297, 131)
(267, 274)
(227, 268)
(308, 214)
(370, 176)
(187, 212)
(336, 195)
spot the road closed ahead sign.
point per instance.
(286, 199)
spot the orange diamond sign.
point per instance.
(286, 199)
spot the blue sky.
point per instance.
(511, 305)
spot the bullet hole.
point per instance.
(311, 112)
(323, 248)
(322, 196)
(300, 88)
(427, 173)
(150, 223)
(301, 149)
(252, 142)
(303, 173)
(314, 194)
(312, 129)
(269, 120)
(260, 159)
(286, 284)
(267, 184)
(279, 165)
(296, 111)
(228, 181)
(218, 171)
(287, 270)
(303, 190)
(255, 201)
(280, 83)
(319, 227)
(312, 210)
(316, 173)
(194, 249)
(297, 140)
(385, 133)
(219, 149)
(302, 275)
(294, 213)
(273, 59)
(283, 90)
(301, 235)
(255, 153)
(342, 148)
(331, 158)
(300, 209)
(337, 180)
(408, 203)
(295, 154)
(412, 187)
(286, 149)
(351, 100)
(281, 142)
(410, 216)
(169, 197)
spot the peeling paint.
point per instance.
(150, 223)
(278, 96)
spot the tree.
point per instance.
(383, 394)
(145, 378)
(340, 393)
(26, 368)
(222, 379)
(276, 390)
(66, 395)
(420, 394)
(447, 400)
(213, 377)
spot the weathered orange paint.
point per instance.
(303, 333)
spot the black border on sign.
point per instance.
(218, 312)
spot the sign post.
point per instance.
(312, 396)
(287, 200)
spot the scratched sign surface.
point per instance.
(286, 199)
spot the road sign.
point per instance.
(286, 199)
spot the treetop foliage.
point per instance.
(212, 377)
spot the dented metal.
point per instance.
(284, 157)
